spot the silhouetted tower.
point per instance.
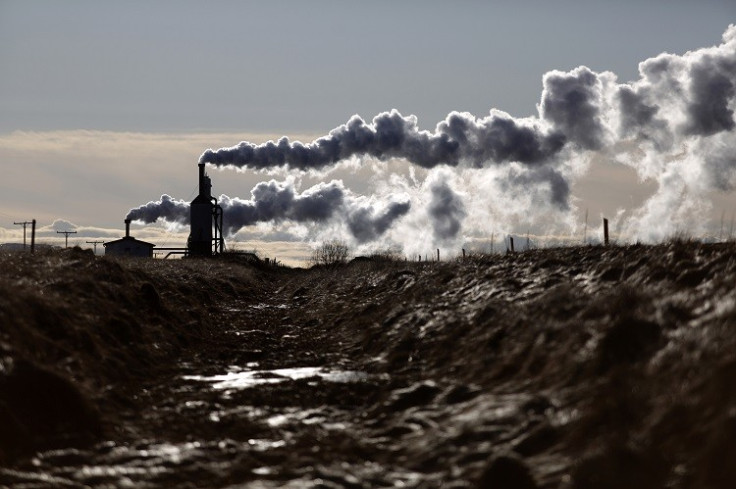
(205, 215)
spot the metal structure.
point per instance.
(205, 216)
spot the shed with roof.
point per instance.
(129, 246)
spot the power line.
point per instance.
(95, 243)
(24, 224)
(66, 236)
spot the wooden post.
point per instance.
(26, 223)
(33, 235)
(463, 254)
(67, 233)
(605, 231)
(438, 254)
(95, 243)
(511, 244)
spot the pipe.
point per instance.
(201, 179)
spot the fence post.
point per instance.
(463, 254)
(511, 244)
(605, 231)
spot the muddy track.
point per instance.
(268, 399)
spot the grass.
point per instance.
(627, 348)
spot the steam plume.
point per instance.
(274, 201)
(167, 209)
(673, 125)
(446, 211)
(461, 138)
(367, 224)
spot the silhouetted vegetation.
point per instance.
(330, 253)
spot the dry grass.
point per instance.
(596, 366)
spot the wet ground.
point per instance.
(572, 368)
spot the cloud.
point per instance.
(80, 232)
(63, 225)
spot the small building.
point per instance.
(129, 246)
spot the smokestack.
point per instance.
(201, 179)
(127, 228)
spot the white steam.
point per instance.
(674, 125)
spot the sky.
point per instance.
(106, 106)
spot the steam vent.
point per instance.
(205, 216)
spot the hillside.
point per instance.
(585, 367)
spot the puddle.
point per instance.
(265, 445)
(269, 306)
(244, 379)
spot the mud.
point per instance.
(584, 367)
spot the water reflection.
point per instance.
(244, 379)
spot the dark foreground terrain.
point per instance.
(573, 368)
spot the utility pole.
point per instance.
(24, 224)
(66, 236)
(33, 235)
(94, 243)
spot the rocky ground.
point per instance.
(584, 367)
